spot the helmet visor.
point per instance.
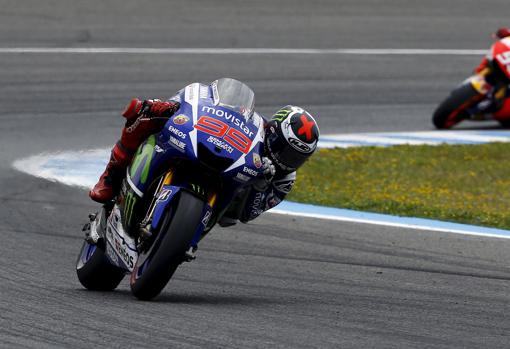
(283, 153)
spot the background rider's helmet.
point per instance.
(291, 137)
(501, 33)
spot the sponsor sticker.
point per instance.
(284, 186)
(257, 203)
(220, 144)
(250, 171)
(177, 132)
(119, 246)
(180, 119)
(241, 177)
(229, 117)
(112, 255)
(257, 161)
(206, 218)
(282, 114)
(299, 145)
(177, 143)
(158, 149)
(165, 193)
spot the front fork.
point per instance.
(494, 96)
(479, 82)
(161, 198)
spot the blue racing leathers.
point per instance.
(264, 196)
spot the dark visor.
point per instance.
(284, 152)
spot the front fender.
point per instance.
(163, 203)
(164, 198)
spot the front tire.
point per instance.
(453, 109)
(94, 270)
(156, 266)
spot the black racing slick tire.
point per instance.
(453, 109)
(156, 266)
(94, 270)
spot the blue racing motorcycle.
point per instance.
(179, 184)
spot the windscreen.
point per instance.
(234, 95)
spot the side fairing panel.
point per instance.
(138, 171)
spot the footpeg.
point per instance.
(90, 229)
(144, 236)
(190, 254)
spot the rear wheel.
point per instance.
(157, 265)
(94, 270)
(453, 109)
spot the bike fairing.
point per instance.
(182, 140)
(183, 137)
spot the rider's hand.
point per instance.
(268, 169)
(150, 108)
(501, 33)
(154, 108)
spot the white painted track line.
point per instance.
(230, 51)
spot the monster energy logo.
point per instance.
(197, 189)
(143, 156)
(129, 204)
(281, 114)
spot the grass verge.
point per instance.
(459, 183)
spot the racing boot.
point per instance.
(109, 183)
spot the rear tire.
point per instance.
(453, 109)
(95, 271)
(156, 266)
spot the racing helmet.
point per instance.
(291, 137)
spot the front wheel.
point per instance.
(156, 266)
(454, 108)
(94, 270)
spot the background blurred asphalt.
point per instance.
(279, 282)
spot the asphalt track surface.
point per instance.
(280, 281)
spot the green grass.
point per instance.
(458, 183)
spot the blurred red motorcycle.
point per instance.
(483, 96)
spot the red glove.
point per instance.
(151, 108)
(501, 33)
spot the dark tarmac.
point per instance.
(278, 282)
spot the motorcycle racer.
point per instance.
(290, 139)
(485, 94)
(499, 34)
(500, 106)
